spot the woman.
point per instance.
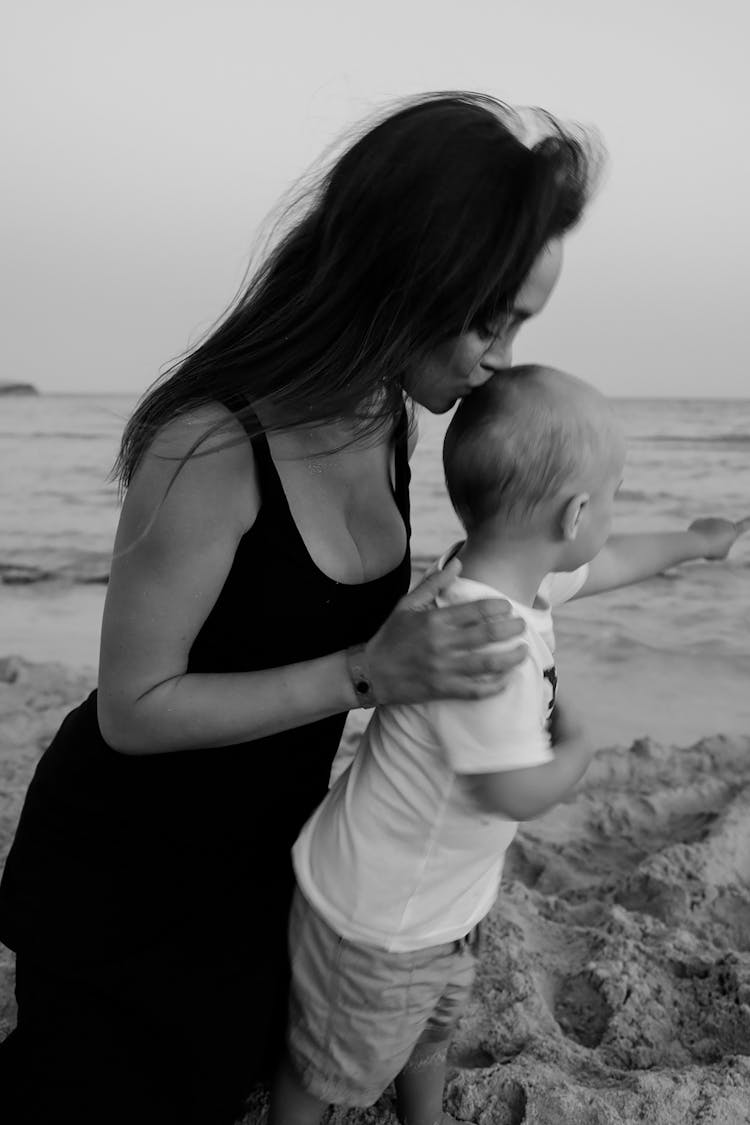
(256, 594)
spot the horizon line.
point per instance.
(635, 397)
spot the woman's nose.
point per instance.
(498, 357)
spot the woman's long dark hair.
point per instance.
(427, 224)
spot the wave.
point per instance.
(95, 571)
(696, 439)
(36, 435)
(420, 562)
(22, 574)
(647, 497)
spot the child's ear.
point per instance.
(572, 515)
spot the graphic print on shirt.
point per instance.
(550, 674)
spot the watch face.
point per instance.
(363, 689)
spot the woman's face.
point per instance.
(463, 363)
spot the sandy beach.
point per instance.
(615, 976)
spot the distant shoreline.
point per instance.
(18, 389)
(136, 394)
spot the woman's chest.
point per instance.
(278, 607)
(344, 511)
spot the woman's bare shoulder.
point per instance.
(202, 454)
(208, 427)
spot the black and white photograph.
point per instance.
(375, 563)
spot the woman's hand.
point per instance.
(424, 652)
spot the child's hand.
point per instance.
(718, 535)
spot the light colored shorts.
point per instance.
(356, 1013)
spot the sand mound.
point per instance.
(615, 981)
(614, 984)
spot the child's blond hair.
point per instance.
(522, 437)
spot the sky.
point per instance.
(147, 141)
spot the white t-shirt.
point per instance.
(398, 856)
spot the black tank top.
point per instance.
(114, 852)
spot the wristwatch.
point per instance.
(356, 662)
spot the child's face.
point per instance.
(596, 516)
(601, 510)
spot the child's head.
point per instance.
(535, 452)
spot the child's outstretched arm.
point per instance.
(631, 558)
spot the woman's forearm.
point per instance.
(205, 709)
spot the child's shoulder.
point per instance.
(560, 586)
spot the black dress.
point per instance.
(147, 897)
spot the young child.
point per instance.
(402, 860)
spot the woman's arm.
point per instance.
(625, 559)
(172, 556)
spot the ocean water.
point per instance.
(669, 656)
